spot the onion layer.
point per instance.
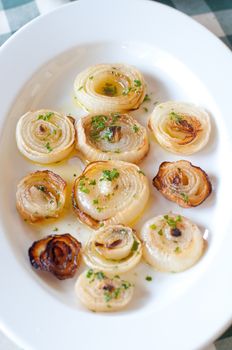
(172, 243)
(99, 292)
(110, 87)
(45, 136)
(40, 195)
(110, 192)
(112, 135)
(58, 254)
(181, 128)
(183, 183)
(113, 249)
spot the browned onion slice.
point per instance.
(183, 183)
(58, 254)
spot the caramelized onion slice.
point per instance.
(110, 87)
(181, 128)
(45, 136)
(99, 292)
(112, 249)
(183, 183)
(111, 135)
(172, 243)
(110, 192)
(58, 254)
(40, 195)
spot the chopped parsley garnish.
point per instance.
(135, 128)
(89, 273)
(41, 188)
(135, 246)
(145, 109)
(54, 131)
(100, 275)
(55, 229)
(175, 117)
(109, 89)
(160, 232)
(148, 278)
(137, 83)
(82, 187)
(91, 78)
(153, 227)
(146, 98)
(92, 182)
(98, 122)
(95, 201)
(99, 209)
(185, 197)
(46, 116)
(141, 172)
(108, 135)
(49, 148)
(109, 175)
(81, 87)
(172, 222)
(126, 91)
(126, 284)
(177, 250)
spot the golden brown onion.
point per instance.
(40, 195)
(110, 192)
(58, 254)
(111, 136)
(110, 87)
(183, 183)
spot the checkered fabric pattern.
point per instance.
(216, 15)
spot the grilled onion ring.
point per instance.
(183, 183)
(172, 243)
(40, 195)
(58, 254)
(181, 128)
(109, 192)
(113, 249)
(112, 135)
(110, 87)
(45, 136)
(99, 292)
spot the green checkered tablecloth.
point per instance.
(216, 15)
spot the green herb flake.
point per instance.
(160, 232)
(55, 229)
(49, 148)
(175, 117)
(141, 172)
(95, 201)
(99, 209)
(185, 197)
(135, 246)
(148, 278)
(109, 90)
(54, 132)
(146, 98)
(89, 273)
(177, 250)
(80, 88)
(126, 284)
(172, 222)
(92, 182)
(153, 227)
(100, 275)
(126, 91)
(109, 175)
(46, 117)
(145, 109)
(137, 83)
(82, 187)
(135, 128)
(91, 78)
(41, 188)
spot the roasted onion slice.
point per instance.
(183, 183)
(110, 192)
(172, 243)
(110, 87)
(40, 195)
(181, 128)
(98, 292)
(112, 135)
(113, 249)
(58, 254)
(45, 136)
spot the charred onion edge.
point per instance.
(157, 183)
(58, 179)
(40, 265)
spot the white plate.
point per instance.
(180, 60)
